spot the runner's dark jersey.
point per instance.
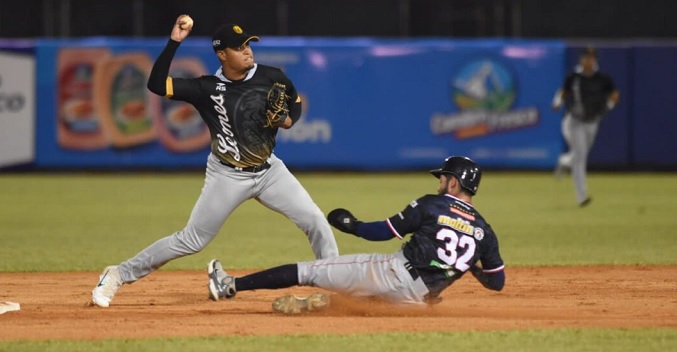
(449, 236)
(586, 96)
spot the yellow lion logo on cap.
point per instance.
(237, 29)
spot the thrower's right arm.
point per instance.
(159, 81)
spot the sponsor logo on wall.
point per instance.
(484, 91)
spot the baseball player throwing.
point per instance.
(589, 95)
(448, 238)
(243, 104)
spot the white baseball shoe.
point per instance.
(221, 285)
(109, 284)
(561, 170)
(291, 304)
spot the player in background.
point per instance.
(588, 95)
(449, 237)
(241, 165)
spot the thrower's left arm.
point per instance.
(295, 109)
(294, 103)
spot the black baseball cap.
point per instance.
(231, 36)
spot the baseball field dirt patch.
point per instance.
(175, 304)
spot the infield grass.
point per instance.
(83, 222)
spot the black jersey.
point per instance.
(235, 111)
(586, 96)
(449, 236)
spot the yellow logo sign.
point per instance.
(237, 29)
(458, 224)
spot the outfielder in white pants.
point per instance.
(580, 136)
(588, 95)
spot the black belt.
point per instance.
(256, 168)
(429, 297)
(412, 271)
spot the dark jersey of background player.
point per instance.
(234, 111)
(587, 96)
(443, 226)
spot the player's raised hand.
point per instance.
(182, 27)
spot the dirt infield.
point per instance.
(175, 304)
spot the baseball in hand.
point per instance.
(185, 22)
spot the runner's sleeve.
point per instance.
(406, 221)
(490, 256)
(491, 275)
(493, 281)
(374, 231)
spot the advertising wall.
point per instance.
(17, 103)
(371, 104)
(375, 104)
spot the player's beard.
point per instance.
(442, 187)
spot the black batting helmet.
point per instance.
(467, 172)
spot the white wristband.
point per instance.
(557, 100)
(610, 104)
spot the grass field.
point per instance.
(83, 222)
(563, 340)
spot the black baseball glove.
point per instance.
(343, 220)
(276, 105)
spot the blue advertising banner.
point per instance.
(369, 104)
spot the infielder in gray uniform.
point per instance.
(241, 165)
(449, 237)
(589, 95)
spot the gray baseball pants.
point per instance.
(365, 275)
(580, 137)
(224, 190)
